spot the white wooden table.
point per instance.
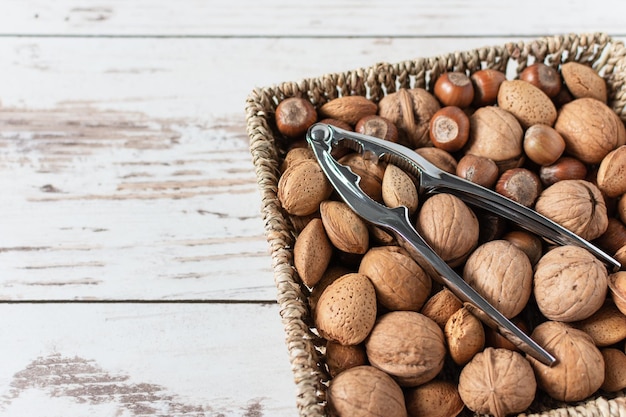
(135, 278)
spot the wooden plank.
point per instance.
(144, 360)
(322, 18)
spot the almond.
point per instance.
(347, 231)
(606, 326)
(349, 109)
(583, 81)
(611, 176)
(398, 189)
(302, 188)
(614, 370)
(312, 252)
(527, 103)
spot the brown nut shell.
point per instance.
(346, 231)
(370, 172)
(441, 306)
(577, 205)
(342, 357)
(294, 116)
(478, 169)
(398, 189)
(400, 283)
(434, 399)
(440, 158)
(302, 188)
(570, 284)
(579, 370)
(590, 128)
(346, 310)
(365, 391)
(449, 227)
(312, 252)
(606, 326)
(614, 369)
(348, 109)
(465, 336)
(408, 346)
(527, 103)
(497, 270)
(611, 177)
(582, 81)
(497, 382)
(617, 286)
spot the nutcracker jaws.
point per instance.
(323, 137)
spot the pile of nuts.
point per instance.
(400, 344)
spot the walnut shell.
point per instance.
(400, 283)
(582, 81)
(495, 134)
(570, 284)
(577, 205)
(590, 129)
(497, 382)
(365, 391)
(529, 104)
(312, 252)
(465, 336)
(346, 310)
(579, 370)
(410, 110)
(434, 399)
(449, 226)
(345, 229)
(408, 346)
(302, 188)
(498, 270)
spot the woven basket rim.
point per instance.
(599, 50)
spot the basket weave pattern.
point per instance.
(267, 148)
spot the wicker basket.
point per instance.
(268, 149)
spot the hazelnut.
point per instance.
(294, 116)
(349, 109)
(544, 77)
(520, 185)
(577, 205)
(410, 110)
(496, 270)
(495, 134)
(497, 382)
(440, 158)
(614, 370)
(570, 284)
(543, 145)
(477, 169)
(590, 128)
(378, 127)
(454, 89)
(528, 242)
(465, 336)
(346, 310)
(486, 85)
(364, 391)
(408, 346)
(449, 129)
(346, 230)
(579, 370)
(606, 326)
(449, 226)
(565, 168)
(582, 81)
(527, 103)
(398, 189)
(611, 177)
(434, 399)
(312, 252)
(441, 306)
(303, 187)
(342, 357)
(400, 283)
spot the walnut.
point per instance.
(408, 346)
(501, 272)
(497, 382)
(577, 205)
(449, 226)
(590, 129)
(496, 134)
(570, 284)
(579, 370)
(400, 283)
(410, 110)
(365, 391)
